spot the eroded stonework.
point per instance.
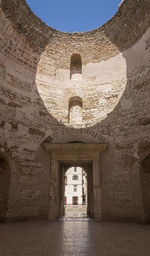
(109, 88)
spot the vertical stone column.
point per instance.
(54, 193)
(97, 190)
(90, 193)
(61, 191)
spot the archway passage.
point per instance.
(64, 156)
(145, 187)
(59, 169)
(4, 187)
(75, 196)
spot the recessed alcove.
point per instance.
(75, 110)
(76, 67)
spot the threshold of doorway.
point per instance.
(74, 219)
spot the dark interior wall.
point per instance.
(43, 182)
(4, 187)
(145, 187)
(121, 191)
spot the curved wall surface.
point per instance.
(109, 102)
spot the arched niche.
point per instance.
(76, 67)
(4, 186)
(75, 110)
(145, 186)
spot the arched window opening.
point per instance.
(75, 110)
(76, 67)
(145, 187)
(4, 187)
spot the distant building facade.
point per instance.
(75, 186)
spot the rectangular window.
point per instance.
(75, 177)
(75, 169)
(75, 189)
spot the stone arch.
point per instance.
(75, 65)
(66, 135)
(4, 186)
(86, 165)
(74, 101)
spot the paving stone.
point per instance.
(74, 238)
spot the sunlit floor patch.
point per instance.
(75, 213)
(71, 238)
(75, 219)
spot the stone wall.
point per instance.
(4, 186)
(34, 102)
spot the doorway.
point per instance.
(85, 156)
(75, 202)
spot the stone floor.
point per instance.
(75, 212)
(74, 236)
